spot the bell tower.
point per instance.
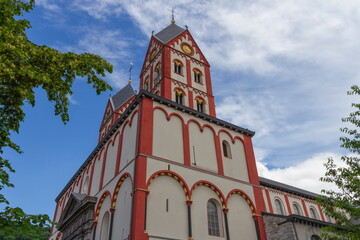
(175, 68)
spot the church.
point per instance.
(165, 167)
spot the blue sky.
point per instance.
(280, 68)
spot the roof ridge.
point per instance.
(168, 33)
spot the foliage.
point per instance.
(344, 204)
(18, 225)
(25, 66)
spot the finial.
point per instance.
(152, 33)
(186, 26)
(172, 15)
(131, 65)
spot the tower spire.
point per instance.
(131, 65)
(172, 15)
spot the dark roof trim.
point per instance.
(299, 219)
(198, 114)
(126, 113)
(287, 188)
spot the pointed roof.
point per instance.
(122, 96)
(169, 33)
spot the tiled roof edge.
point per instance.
(287, 188)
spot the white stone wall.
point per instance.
(235, 166)
(240, 219)
(168, 142)
(168, 137)
(202, 148)
(111, 155)
(167, 210)
(122, 214)
(104, 208)
(167, 187)
(129, 141)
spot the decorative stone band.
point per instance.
(174, 176)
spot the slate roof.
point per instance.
(169, 33)
(122, 96)
(287, 188)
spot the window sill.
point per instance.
(179, 74)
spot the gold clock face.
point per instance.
(187, 48)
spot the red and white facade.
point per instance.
(167, 168)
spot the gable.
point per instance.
(72, 205)
(108, 112)
(152, 53)
(184, 39)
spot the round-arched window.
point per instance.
(313, 213)
(104, 233)
(296, 209)
(279, 208)
(226, 149)
(213, 219)
(86, 185)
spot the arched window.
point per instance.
(200, 105)
(146, 84)
(213, 219)
(296, 209)
(86, 184)
(104, 233)
(279, 208)
(328, 218)
(157, 73)
(179, 95)
(313, 213)
(152, 54)
(226, 149)
(197, 76)
(315, 237)
(178, 66)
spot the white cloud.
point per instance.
(118, 79)
(99, 9)
(260, 112)
(72, 100)
(113, 46)
(303, 175)
(289, 63)
(249, 35)
(107, 43)
(49, 4)
(245, 35)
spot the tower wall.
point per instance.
(201, 180)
